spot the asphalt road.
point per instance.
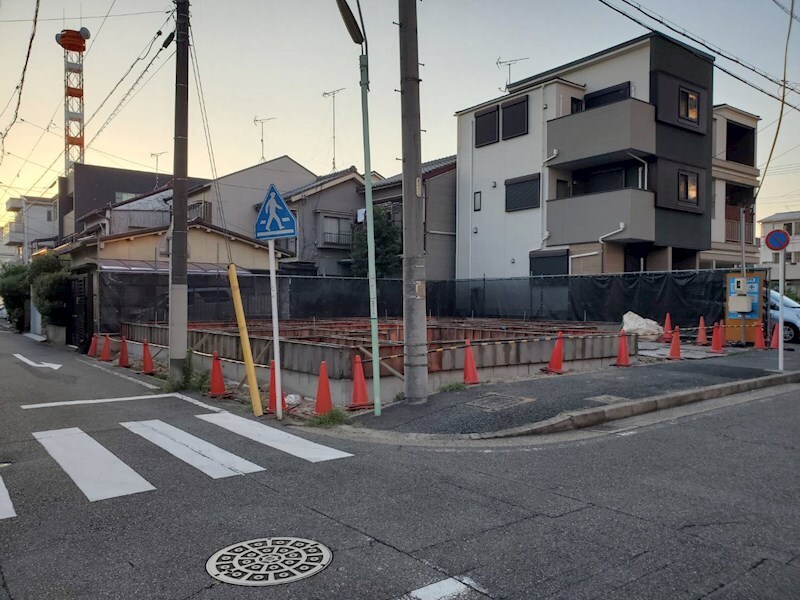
(697, 502)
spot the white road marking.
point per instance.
(124, 399)
(6, 507)
(441, 590)
(208, 458)
(149, 386)
(280, 440)
(95, 470)
(31, 363)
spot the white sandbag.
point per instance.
(647, 329)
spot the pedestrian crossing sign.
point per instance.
(275, 220)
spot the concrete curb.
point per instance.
(590, 417)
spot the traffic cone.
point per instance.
(93, 347)
(623, 360)
(716, 339)
(556, 360)
(675, 347)
(217, 386)
(273, 392)
(324, 404)
(702, 336)
(759, 343)
(667, 337)
(360, 400)
(123, 354)
(147, 360)
(470, 372)
(105, 355)
(773, 343)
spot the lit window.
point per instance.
(476, 201)
(689, 106)
(687, 187)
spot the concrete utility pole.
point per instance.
(178, 283)
(414, 312)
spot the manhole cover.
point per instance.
(268, 561)
(496, 402)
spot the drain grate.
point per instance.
(495, 402)
(269, 561)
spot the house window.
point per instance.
(49, 216)
(576, 105)
(794, 257)
(515, 117)
(476, 201)
(522, 193)
(487, 126)
(776, 257)
(787, 227)
(336, 231)
(608, 95)
(689, 107)
(687, 187)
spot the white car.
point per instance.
(791, 316)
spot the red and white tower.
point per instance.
(74, 44)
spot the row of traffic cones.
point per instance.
(702, 335)
(122, 359)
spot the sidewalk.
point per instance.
(497, 406)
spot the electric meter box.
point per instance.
(744, 296)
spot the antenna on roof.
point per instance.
(507, 63)
(332, 96)
(257, 121)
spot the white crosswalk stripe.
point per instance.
(6, 506)
(274, 438)
(95, 470)
(208, 458)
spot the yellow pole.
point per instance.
(249, 367)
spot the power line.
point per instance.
(106, 16)
(99, 29)
(786, 10)
(21, 83)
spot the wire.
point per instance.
(786, 10)
(99, 29)
(107, 16)
(783, 99)
(10, 99)
(21, 83)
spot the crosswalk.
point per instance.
(100, 474)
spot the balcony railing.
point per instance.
(337, 239)
(733, 232)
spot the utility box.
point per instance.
(744, 296)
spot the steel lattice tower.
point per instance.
(74, 44)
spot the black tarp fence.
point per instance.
(686, 295)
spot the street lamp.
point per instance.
(359, 38)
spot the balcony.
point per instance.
(733, 232)
(13, 234)
(604, 134)
(337, 240)
(585, 218)
(14, 204)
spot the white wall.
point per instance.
(718, 218)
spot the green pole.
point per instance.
(373, 288)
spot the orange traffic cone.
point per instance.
(217, 387)
(759, 342)
(105, 355)
(667, 337)
(360, 400)
(147, 360)
(716, 339)
(675, 347)
(123, 354)
(272, 407)
(702, 336)
(773, 343)
(93, 347)
(470, 372)
(623, 360)
(324, 404)
(556, 360)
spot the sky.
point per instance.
(274, 59)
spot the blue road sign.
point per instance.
(777, 240)
(275, 220)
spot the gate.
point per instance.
(80, 324)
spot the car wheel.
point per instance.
(791, 334)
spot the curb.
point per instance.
(590, 417)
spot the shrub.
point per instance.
(15, 290)
(50, 295)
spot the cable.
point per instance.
(21, 83)
(99, 29)
(10, 99)
(786, 10)
(133, 14)
(783, 99)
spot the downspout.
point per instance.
(545, 232)
(644, 162)
(602, 239)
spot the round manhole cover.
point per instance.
(268, 561)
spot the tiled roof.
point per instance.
(427, 168)
(784, 216)
(320, 180)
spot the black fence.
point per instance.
(144, 297)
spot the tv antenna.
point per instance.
(257, 121)
(156, 155)
(332, 96)
(507, 63)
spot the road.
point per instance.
(129, 499)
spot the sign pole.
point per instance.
(780, 309)
(276, 346)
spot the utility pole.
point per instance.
(178, 283)
(414, 313)
(332, 96)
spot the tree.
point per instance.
(15, 290)
(388, 246)
(51, 288)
